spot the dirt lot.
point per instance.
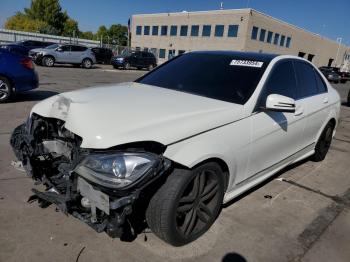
(306, 217)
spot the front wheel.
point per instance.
(127, 66)
(349, 98)
(87, 63)
(5, 89)
(323, 143)
(150, 67)
(48, 61)
(187, 204)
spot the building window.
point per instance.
(206, 30)
(181, 52)
(262, 35)
(183, 30)
(171, 53)
(164, 30)
(269, 37)
(232, 31)
(288, 42)
(155, 30)
(219, 30)
(275, 40)
(195, 30)
(146, 30)
(283, 38)
(254, 33)
(138, 30)
(145, 49)
(137, 48)
(173, 30)
(161, 53)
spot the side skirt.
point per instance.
(259, 177)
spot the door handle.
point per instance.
(299, 111)
(325, 100)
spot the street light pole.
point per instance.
(339, 39)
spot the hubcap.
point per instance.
(49, 61)
(127, 66)
(4, 90)
(87, 63)
(196, 208)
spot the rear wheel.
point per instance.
(323, 143)
(127, 66)
(48, 61)
(150, 67)
(187, 204)
(5, 89)
(87, 63)
(349, 98)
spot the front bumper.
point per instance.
(53, 163)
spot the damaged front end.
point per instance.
(107, 189)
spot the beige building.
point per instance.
(168, 34)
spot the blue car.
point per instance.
(17, 74)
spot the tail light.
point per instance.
(27, 63)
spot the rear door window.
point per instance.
(76, 48)
(322, 87)
(65, 48)
(306, 81)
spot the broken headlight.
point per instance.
(116, 170)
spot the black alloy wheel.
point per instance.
(323, 143)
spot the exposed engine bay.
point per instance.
(107, 189)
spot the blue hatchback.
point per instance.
(17, 74)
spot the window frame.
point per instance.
(254, 33)
(193, 31)
(288, 41)
(269, 37)
(162, 28)
(146, 30)
(276, 38)
(262, 35)
(159, 54)
(173, 30)
(139, 30)
(155, 30)
(219, 30)
(232, 30)
(282, 40)
(299, 97)
(203, 31)
(184, 30)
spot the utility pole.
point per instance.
(339, 39)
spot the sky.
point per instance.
(324, 17)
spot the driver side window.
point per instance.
(281, 81)
(65, 48)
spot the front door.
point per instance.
(63, 54)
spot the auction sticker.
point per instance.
(248, 63)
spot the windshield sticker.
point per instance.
(246, 63)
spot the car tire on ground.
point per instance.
(126, 66)
(5, 89)
(323, 144)
(150, 67)
(187, 204)
(349, 98)
(48, 61)
(343, 81)
(87, 63)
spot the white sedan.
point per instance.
(171, 147)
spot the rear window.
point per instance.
(213, 75)
(78, 48)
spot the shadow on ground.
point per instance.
(34, 95)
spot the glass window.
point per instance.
(195, 30)
(262, 35)
(322, 87)
(78, 48)
(307, 85)
(171, 53)
(173, 30)
(206, 30)
(275, 40)
(255, 33)
(65, 48)
(219, 30)
(281, 81)
(232, 31)
(269, 37)
(138, 30)
(181, 52)
(137, 48)
(146, 30)
(164, 30)
(161, 53)
(223, 81)
(183, 30)
(288, 42)
(155, 30)
(283, 38)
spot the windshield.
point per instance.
(213, 75)
(54, 46)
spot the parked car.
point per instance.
(63, 54)
(18, 49)
(32, 44)
(333, 74)
(17, 74)
(174, 145)
(103, 55)
(138, 59)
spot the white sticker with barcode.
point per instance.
(249, 63)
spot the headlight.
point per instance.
(120, 59)
(116, 170)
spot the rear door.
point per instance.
(276, 136)
(312, 91)
(77, 54)
(63, 54)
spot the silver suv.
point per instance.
(63, 54)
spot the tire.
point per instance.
(323, 144)
(87, 63)
(348, 98)
(343, 81)
(150, 67)
(139, 68)
(48, 61)
(126, 66)
(5, 89)
(187, 204)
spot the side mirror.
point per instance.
(280, 103)
(59, 49)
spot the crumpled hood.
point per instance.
(130, 112)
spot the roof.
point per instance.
(263, 57)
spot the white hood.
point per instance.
(131, 112)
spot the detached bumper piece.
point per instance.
(49, 154)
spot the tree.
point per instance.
(118, 33)
(102, 32)
(87, 35)
(70, 28)
(22, 22)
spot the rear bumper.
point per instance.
(26, 82)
